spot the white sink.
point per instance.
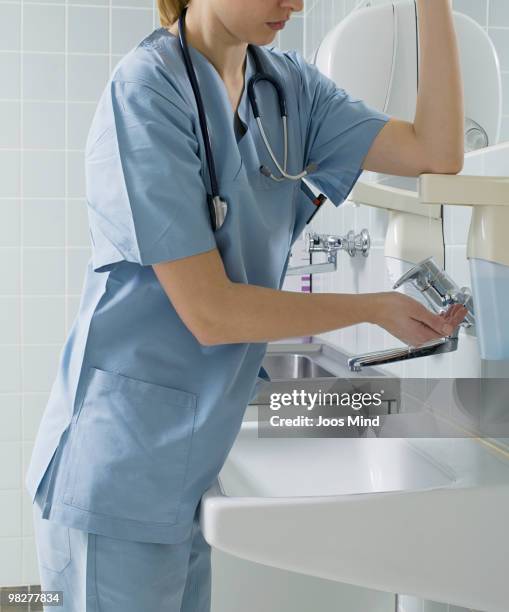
(293, 467)
(424, 517)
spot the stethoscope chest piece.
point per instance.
(217, 210)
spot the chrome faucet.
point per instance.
(440, 291)
(352, 243)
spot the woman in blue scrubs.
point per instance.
(174, 318)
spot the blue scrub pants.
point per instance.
(102, 574)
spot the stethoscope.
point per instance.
(216, 204)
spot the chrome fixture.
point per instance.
(440, 291)
(354, 244)
(475, 136)
(438, 288)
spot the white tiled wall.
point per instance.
(55, 57)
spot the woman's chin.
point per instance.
(267, 37)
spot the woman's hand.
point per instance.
(410, 321)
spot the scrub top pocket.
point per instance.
(130, 445)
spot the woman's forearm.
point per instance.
(439, 117)
(251, 313)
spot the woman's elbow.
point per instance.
(214, 326)
(453, 165)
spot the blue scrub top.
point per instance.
(141, 416)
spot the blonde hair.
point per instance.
(169, 11)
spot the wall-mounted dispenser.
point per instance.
(488, 246)
(374, 55)
(385, 75)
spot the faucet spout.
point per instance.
(312, 268)
(377, 358)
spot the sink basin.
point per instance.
(317, 366)
(326, 466)
(421, 516)
(293, 366)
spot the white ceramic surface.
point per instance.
(425, 517)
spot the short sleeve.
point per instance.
(339, 132)
(146, 198)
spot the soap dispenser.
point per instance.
(487, 246)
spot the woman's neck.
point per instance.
(208, 35)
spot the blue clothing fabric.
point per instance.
(141, 416)
(96, 573)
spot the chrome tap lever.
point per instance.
(438, 288)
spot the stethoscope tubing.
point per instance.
(199, 103)
(217, 206)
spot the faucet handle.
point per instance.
(358, 243)
(438, 288)
(421, 275)
(352, 243)
(323, 242)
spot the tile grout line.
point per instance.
(21, 277)
(77, 4)
(66, 164)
